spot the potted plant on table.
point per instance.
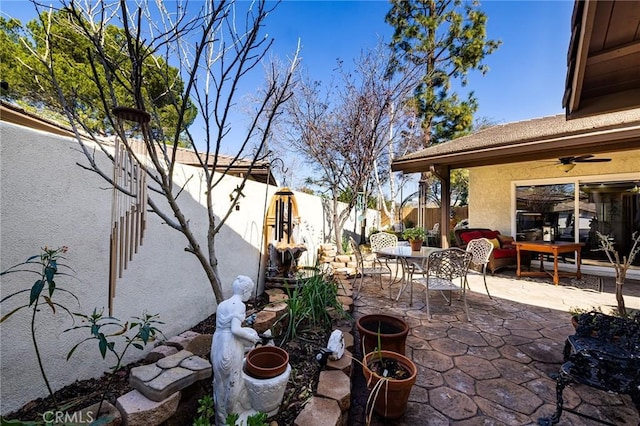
(415, 236)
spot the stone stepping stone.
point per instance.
(169, 375)
(173, 360)
(139, 411)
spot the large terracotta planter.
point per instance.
(391, 395)
(266, 362)
(392, 332)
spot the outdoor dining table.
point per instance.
(409, 260)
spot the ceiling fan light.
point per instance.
(566, 167)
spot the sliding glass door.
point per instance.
(559, 212)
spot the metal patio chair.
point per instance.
(381, 240)
(481, 249)
(376, 268)
(441, 270)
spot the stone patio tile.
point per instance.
(484, 352)
(508, 394)
(514, 353)
(469, 337)
(501, 413)
(515, 371)
(428, 378)
(456, 405)
(478, 368)
(460, 381)
(433, 360)
(449, 347)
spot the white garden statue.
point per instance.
(227, 353)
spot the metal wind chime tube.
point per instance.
(128, 210)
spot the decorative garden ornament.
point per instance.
(227, 353)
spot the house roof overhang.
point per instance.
(603, 60)
(538, 139)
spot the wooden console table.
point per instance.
(555, 249)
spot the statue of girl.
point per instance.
(227, 352)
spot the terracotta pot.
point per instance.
(392, 394)
(266, 362)
(416, 245)
(392, 332)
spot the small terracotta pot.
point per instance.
(266, 362)
(392, 332)
(392, 394)
(416, 245)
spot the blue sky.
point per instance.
(527, 73)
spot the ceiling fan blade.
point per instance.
(566, 160)
(582, 158)
(593, 160)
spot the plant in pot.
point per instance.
(415, 236)
(390, 377)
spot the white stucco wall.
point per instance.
(46, 199)
(490, 187)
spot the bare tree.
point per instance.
(214, 52)
(343, 130)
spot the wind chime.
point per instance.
(128, 206)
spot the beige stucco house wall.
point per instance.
(492, 188)
(491, 196)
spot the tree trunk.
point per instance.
(622, 310)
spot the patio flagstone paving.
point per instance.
(495, 369)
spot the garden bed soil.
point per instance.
(305, 372)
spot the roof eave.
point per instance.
(608, 140)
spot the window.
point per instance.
(609, 207)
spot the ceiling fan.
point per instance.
(566, 164)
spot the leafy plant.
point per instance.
(206, 409)
(412, 234)
(46, 267)
(310, 303)
(98, 325)
(257, 419)
(346, 248)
